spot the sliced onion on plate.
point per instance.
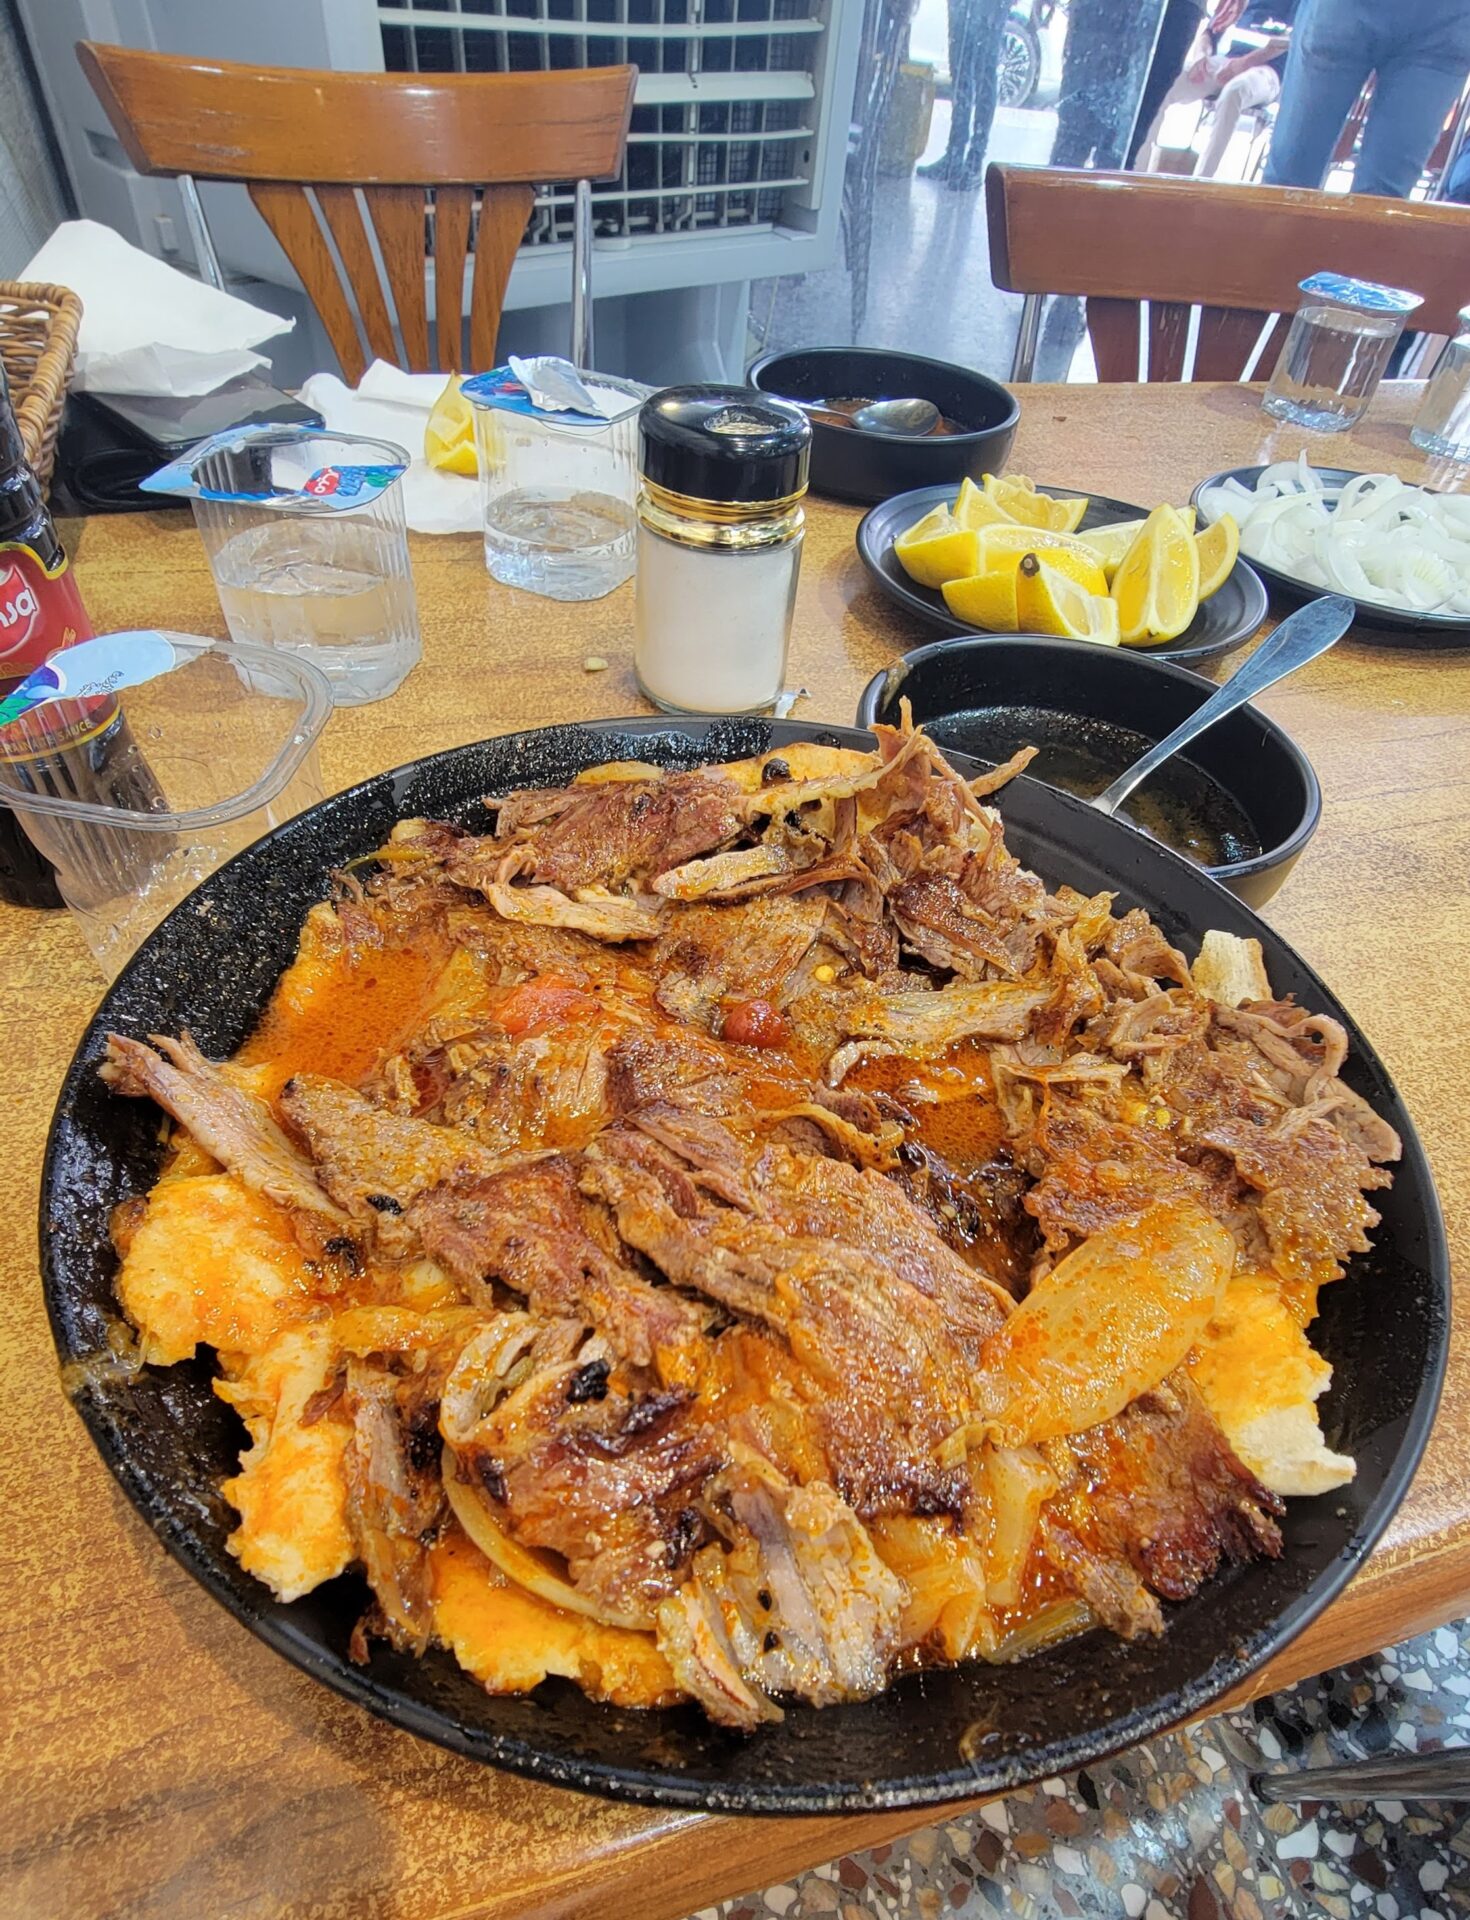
(1373, 536)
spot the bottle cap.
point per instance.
(730, 445)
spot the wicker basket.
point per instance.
(38, 343)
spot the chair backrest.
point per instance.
(1235, 252)
(338, 164)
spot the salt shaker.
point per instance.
(722, 474)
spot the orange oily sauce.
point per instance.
(338, 1011)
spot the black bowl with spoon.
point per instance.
(1241, 800)
(870, 462)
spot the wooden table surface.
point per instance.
(156, 1762)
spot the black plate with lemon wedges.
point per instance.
(1222, 621)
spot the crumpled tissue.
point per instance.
(146, 327)
(389, 404)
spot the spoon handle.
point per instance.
(1444, 1775)
(1300, 637)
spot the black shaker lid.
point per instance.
(732, 444)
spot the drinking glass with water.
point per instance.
(557, 487)
(1442, 424)
(1340, 342)
(307, 540)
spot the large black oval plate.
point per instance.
(1225, 621)
(1392, 626)
(210, 968)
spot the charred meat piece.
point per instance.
(798, 1603)
(1151, 1502)
(604, 834)
(530, 1229)
(891, 1379)
(710, 954)
(612, 1485)
(395, 1496)
(231, 1125)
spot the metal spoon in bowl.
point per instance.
(1300, 637)
(909, 417)
(906, 419)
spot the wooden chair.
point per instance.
(1234, 252)
(338, 165)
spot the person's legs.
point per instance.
(1256, 87)
(1331, 57)
(1184, 92)
(1180, 22)
(1086, 58)
(988, 18)
(1422, 65)
(961, 13)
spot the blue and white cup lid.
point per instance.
(1365, 294)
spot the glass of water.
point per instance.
(1442, 425)
(557, 492)
(1335, 354)
(307, 541)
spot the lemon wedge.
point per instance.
(937, 549)
(1110, 543)
(975, 509)
(1156, 587)
(1009, 543)
(1020, 500)
(1218, 548)
(1047, 601)
(987, 600)
(449, 437)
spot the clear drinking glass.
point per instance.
(296, 567)
(1335, 354)
(1442, 424)
(557, 494)
(200, 747)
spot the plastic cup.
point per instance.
(136, 791)
(557, 494)
(1337, 350)
(308, 544)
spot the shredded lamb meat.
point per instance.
(750, 1103)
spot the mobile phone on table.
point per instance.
(167, 424)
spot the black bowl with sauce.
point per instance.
(850, 463)
(1241, 801)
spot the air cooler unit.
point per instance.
(733, 172)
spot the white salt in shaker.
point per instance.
(720, 525)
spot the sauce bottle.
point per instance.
(90, 753)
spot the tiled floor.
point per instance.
(929, 287)
(1171, 1830)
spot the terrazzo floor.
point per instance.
(1172, 1831)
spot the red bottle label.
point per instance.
(40, 613)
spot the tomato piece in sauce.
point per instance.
(755, 1023)
(540, 1004)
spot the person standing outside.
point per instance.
(1420, 52)
(975, 29)
(1235, 82)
